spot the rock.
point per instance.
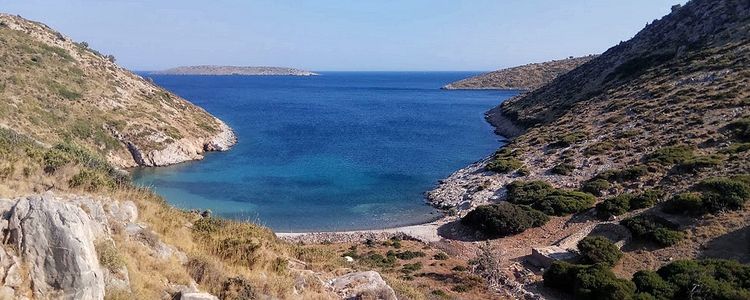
(197, 296)
(543, 257)
(361, 284)
(125, 212)
(56, 241)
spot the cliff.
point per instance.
(55, 89)
(527, 77)
(234, 70)
(663, 114)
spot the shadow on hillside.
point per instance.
(734, 245)
(455, 231)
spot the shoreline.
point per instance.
(426, 232)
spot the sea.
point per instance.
(339, 151)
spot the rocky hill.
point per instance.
(526, 77)
(651, 132)
(233, 70)
(55, 89)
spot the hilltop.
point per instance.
(234, 70)
(650, 132)
(55, 89)
(526, 77)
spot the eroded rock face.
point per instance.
(56, 240)
(362, 284)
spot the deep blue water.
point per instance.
(345, 150)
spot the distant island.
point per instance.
(526, 77)
(235, 70)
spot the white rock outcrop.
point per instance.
(56, 241)
(368, 285)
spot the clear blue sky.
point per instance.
(344, 34)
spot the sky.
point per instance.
(339, 35)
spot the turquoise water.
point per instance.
(341, 151)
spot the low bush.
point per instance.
(504, 161)
(671, 155)
(654, 229)
(646, 199)
(567, 140)
(650, 283)
(614, 206)
(502, 219)
(563, 169)
(624, 175)
(740, 129)
(560, 203)
(409, 268)
(440, 256)
(697, 163)
(528, 192)
(91, 181)
(705, 279)
(407, 255)
(597, 249)
(711, 196)
(596, 186)
(108, 255)
(588, 282)
(598, 148)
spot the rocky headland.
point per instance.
(235, 70)
(526, 77)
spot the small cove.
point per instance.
(341, 151)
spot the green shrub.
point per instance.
(654, 229)
(504, 165)
(587, 282)
(504, 161)
(624, 175)
(409, 268)
(646, 199)
(688, 203)
(502, 219)
(736, 148)
(528, 192)
(650, 283)
(598, 282)
(91, 181)
(671, 155)
(441, 256)
(614, 206)
(560, 203)
(711, 196)
(723, 193)
(598, 148)
(567, 140)
(596, 186)
(563, 169)
(407, 255)
(740, 129)
(697, 163)
(377, 260)
(707, 279)
(561, 275)
(597, 249)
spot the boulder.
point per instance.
(543, 257)
(197, 296)
(362, 284)
(56, 241)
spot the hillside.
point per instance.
(55, 89)
(526, 77)
(233, 70)
(654, 127)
